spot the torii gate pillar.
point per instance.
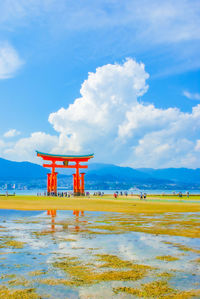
(52, 182)
(82, 187)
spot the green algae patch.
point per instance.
(7, 276)
(53, 282)
(6, 293)
(166, 275)
(113, 261)
(21, 265)
(120, 275)
(20, 281)
(172, 225)
(79, 273)
(10, 242)
(27, 221)
(14, 244)
(183, 247)
(167, 258)
(157, 289)
(43, 233)
(37, 273)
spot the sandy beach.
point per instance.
(103, 204)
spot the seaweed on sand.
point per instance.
(157, 289)
(113, 261)
(19, 281)
(183, 247)
(172, 224)
(10, 242)
(7, 276)
(167, 258)
(84, 274)
(53, 281)
(37, 272)
(166, 275)
(6, 293)
(14, 244)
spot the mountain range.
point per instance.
(103, 175)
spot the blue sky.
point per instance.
(47, 49)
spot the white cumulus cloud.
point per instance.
(10, 61)
(11, 133)
(192, 96)
(92, 121)
(110, 120)
(24, 149)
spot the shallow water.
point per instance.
(51, 235)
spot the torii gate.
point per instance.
(78, 181)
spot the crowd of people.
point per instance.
(58, 194)
(116, 194)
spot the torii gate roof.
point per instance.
(47, 156)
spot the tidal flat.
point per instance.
(85, 254)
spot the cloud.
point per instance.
(24, 149)
(191, 96)
(12, 10)
(178, 20)
(9, 61)
(169, 31)
(11, 133)
(110, 120)
(94, 117)
(197, 147)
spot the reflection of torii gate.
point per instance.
(78, 181)
(52, 213)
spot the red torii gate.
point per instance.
(78, 181)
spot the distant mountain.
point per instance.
(99, 175)
(184, 175)
(112, 172)
(10, 170)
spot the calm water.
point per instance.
(50, 235)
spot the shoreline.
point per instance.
(130, 205)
